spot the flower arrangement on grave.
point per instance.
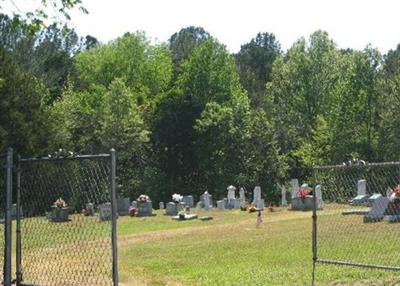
(394, 196)
(59, 211)
(303, 192)
(177, 198)
(143, 199)
(252, 209)
(181, 215)
(60, 203)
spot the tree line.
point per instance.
(187, 116)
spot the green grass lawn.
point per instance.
(228, 250)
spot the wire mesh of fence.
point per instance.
(66, 221)
(2, 211)
(356, 215)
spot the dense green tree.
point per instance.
(23, 101)
(254, 62)
(184, 42)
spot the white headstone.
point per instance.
(231, 195)
(206, 198)
(256, 194)
(361, 188)
(283, 195)
(242, 196)
(295, 187)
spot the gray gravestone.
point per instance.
(105, 212)
(123, 205)
(206, 200)
(161, 205)
(89, 209)
(378, 210)
(361, 187)
(145, 208)
(242, 196)
(283, 195)
(256, 195)
(134, 204)
(188, 200)
(231, 192)
(260, 204)
(295, 187)
(237, 204)
(171, 209)
(221, 205)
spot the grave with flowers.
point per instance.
(59, 211)
(144, 206)
(303, 199)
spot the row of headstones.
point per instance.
(381, 209)
(172, 208)
(232, 202)
(298, 203)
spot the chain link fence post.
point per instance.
(114, 217)
(18, 258)
(8, 220)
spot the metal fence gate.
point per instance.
(65, 221)
(353, 224)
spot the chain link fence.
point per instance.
(66, 231)
(355, 221)
(2, 212)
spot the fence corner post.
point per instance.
(114, 216)
(8, 220)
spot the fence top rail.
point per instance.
(381, 164)
(78, 157)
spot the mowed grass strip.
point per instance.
(225, 252)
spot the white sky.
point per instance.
(351, 23)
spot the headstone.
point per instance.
(378, 210)
(260, 204)
(105, 212)
(295, 187)
(283, 195)
(181, 206)
(256, 195)
(221, 205)
(372, 198)
(242, 196)
(145, 208)
(318, 195)
(231, 204)
(231, 192)
(361, 187)
(171, 209)
(361, 198)
(134, 204)
(206, 198)
(123, 205)
(188, 201)
(161, 205)
(89, 209)
(236, 204)
(199, 205)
